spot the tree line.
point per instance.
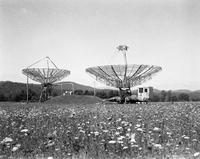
(101, 94)
(163, 96)
(21, 96)
(168, 96)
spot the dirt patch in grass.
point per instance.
(74, 99)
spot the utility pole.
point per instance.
(94, 89)
(72, 87)
(61, 88)
(27, 91)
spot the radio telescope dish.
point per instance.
(123, 76)
(46, 76)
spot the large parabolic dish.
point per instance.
(46, 76)
(123, 76)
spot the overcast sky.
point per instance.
(77, 34)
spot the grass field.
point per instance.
(155, 130)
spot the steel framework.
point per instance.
(123, 76)
(46, 76)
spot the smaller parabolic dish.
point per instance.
(46, 75)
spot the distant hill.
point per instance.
(192, 94)
(107, 87)
(182, 91)
(195, 95)
(8, 87)
(156, 91)
(68, 86)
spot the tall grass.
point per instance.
(153, 130)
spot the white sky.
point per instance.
(77, 34)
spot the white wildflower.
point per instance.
(7, 139)
(112, 142)
(51, 143)
(134, 145)
(133, 138)
(158, 146)
(117, 133)
(169, 133)
(73, 113)
(120, 142)
(16, 147)
(196, 154)
(24, 130)
(186, 137)
(123, 122)
(137, 125)
(128, 129)
(120, 138)
(119, 128)
(82, 131)
(156, 129)
(105, 131)
(168, 144)
(69, 154)
(175, 157)
(96, 133)
(139, 129)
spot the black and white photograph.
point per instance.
(100, 79)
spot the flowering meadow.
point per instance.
(154, 130)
